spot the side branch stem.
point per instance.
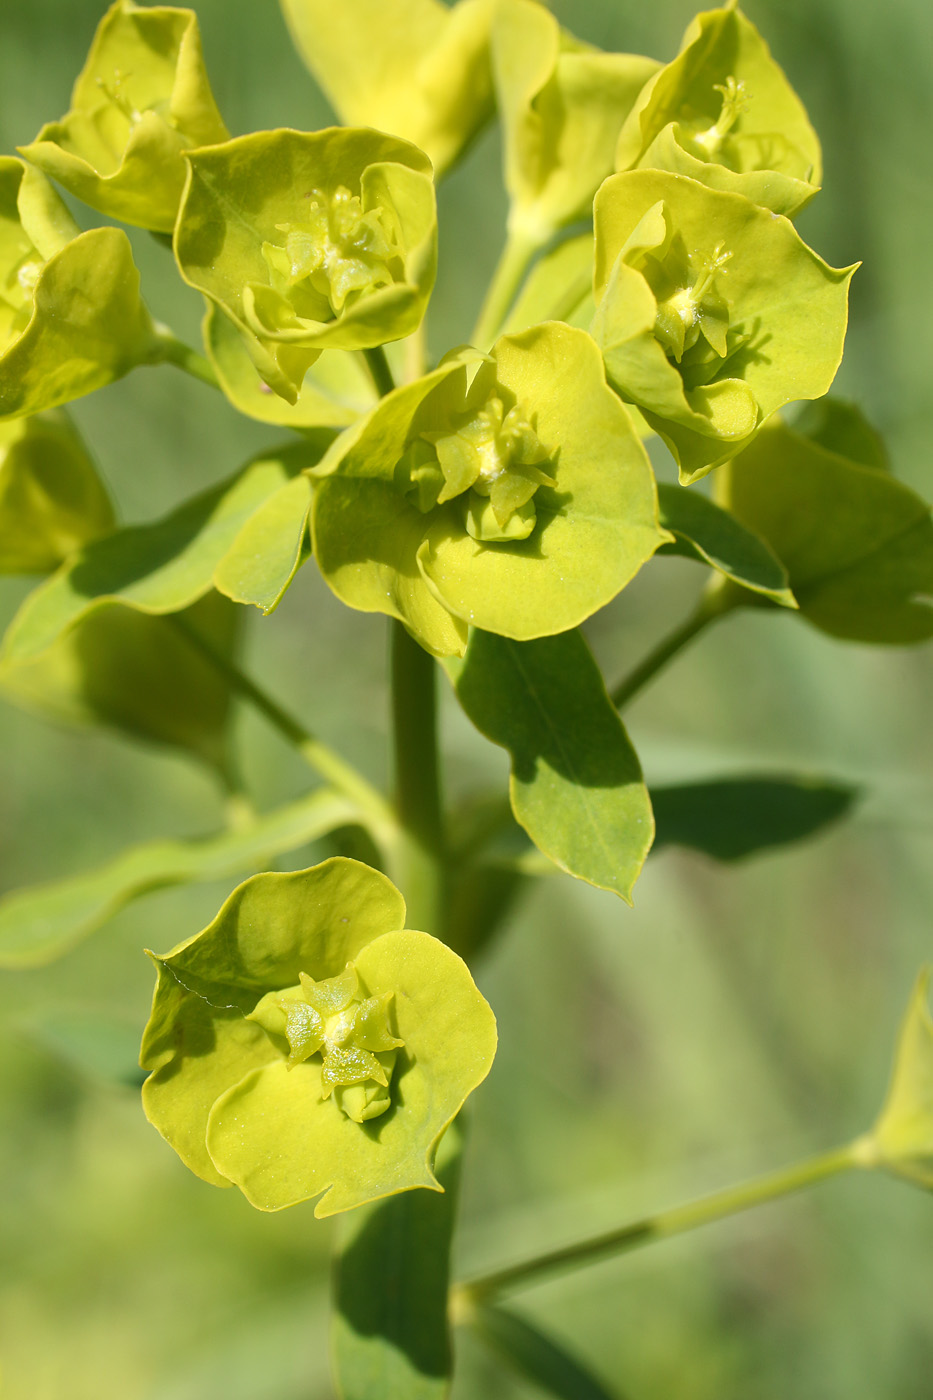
(175, 352)
(669, 1222)
(712, 605)
(379, 370)
(517, 255)
(417, 781)
(342, 775)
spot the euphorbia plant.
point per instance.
(314, 1041)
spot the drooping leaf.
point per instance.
(225, 1088)
(141, 99)
(730, 818)
(705, 531)
(562, 104)
(335, 391)
(166, 566)
(535, 1356)
(393, 534)
(856, 543)
(902, 1139)
(724, 113)
(842, 427)
(42, 922)
(71, 318)
(712, 313)
(52, 500)
(308, 241)
(421, 71)
(576, 785)
(390, 1332)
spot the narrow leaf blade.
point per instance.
(730, 818)
(706, 532)
(537, 1357)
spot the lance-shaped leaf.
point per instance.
(704, 531)
(576, 784)
(562, 104)
(902, 1138)
(730, 818)
(42, 922)
(510, 493)
(168, 565)
(335, 392)
(535, 1356)
(52, 500)
(141, 99)
(857, 544)
(415, 68)
(71, 318)
(724, 113)
(226, 1087)
(391, 1327)
(138, 673)
(310, 241)
(711, 313)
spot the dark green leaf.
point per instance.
(706, 532)
(391, 1336)
(729, 818)
(42, 922)
(536, 1356)
(576, 784)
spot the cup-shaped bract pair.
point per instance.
(562, 104)
(902, 1139)
(309, 241)
(307, 1042)
(416, 68)
(724, 113)
(52, 500)
(508, 491)
(711, 312)
(71, 317)
(141, 99)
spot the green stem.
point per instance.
(517, 255)
(671, 1222)
(715, 603)
(342, 775)
(417, 781)
(175, 352)
(378, 367)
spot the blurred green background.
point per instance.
(737, 1018)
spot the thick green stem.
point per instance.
(418, 806)
(379, 370)
(671, 1222)
(323, 760)
(173, 351)
(715, 603)
(517, 256)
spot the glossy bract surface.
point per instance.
(506, 491)
(306, 1042)
(308, 241)
(142, 98)
(724, 113)
(71, 318)
(711, 312)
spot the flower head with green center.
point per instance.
(307, 1042)
(308, 241)
(710, 311)
(508, 491)
(724, 113)
(142, 98)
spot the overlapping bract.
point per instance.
(294, 965)
(308, 241)
(141, 99)
(509, 492)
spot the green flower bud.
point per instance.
(724, 113)
(308, 241)
(711, 312)
(71, 318)
(506, 491)
(301, 1014)
(141, 99)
